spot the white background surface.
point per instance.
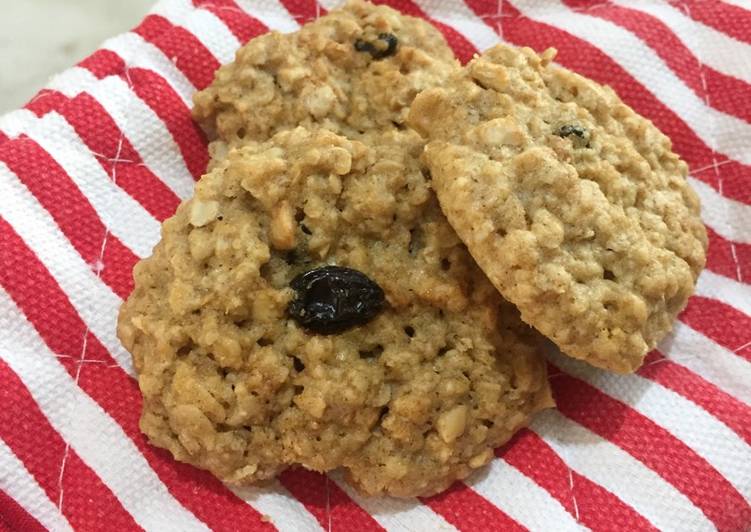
(41, 37)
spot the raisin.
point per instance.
(332, 299)
(379, 50)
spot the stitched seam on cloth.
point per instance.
(592, 7)
(715, 163)
(553, 373)
(741, 348)
(98, 268)
(573, 495)
(208, 4)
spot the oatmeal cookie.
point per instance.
(574, 206)
(311, 305)
(356, 69)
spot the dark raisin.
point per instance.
(567, 130)
(332, 299)
(384, 46)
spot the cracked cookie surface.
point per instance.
(574, 206)
(406, 403)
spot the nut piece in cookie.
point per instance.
(354, 69)
(574, 206)
(311, 305)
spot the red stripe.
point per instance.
(303, 10)
(103, 63)
(3, 137)
(166, 103)
(71, 210)
(719, 90)
(728, 258)
(582, 57)
(726, 18)
(528, 453)
(726, 408)
(46, 100)
(333, 508)
(13, 517)
(720, 322)
(25, 429)
(242, 25)
(463, 49)
(100, 133)
(48, 309)
(468, 511)
(655, 447)
(189, 54)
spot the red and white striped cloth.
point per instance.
(93, 164)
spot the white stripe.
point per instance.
(283, 510)
(139, 53)
(462, 19)
(724, 289)
(22, 487)
(714, 48)
(522, 499)
(72, 81)
(204, 25)
(119, 212)
(709, 437)
(93, 300)
(143, 128)
(90, 431)
(728, 135)
(15, 122)
(214, 34)
(271, 13)
(728, 371)
(173, 10)
(328, 5)
(620, 473)
(395, 515)
(743, 4)
(729, 218)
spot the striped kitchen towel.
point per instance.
(94, 162)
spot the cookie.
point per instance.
(356, 69)
(574, 206)
(311, 305)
